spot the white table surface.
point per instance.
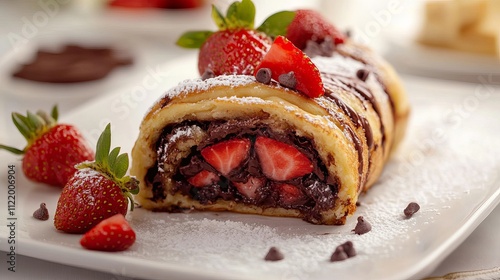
(481, 250)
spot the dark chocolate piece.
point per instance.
(349, 249)
(207, 74)
(411, 209)
(274, 255)
(41, 213)
(263, 76)
(362, 74)
(362, 226)
(339, 254)
(288, 80)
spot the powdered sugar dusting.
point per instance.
(442, 176)
(202, 85)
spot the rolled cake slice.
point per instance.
(230, 143)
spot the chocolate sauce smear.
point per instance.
(73, 64)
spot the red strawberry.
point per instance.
(112, 234)
(183, 4)
(311, 25)
(290, 194)
(227, 155)
(280, 161)
(236, 48)
(250, 187)
(284, 57)
(138, 3)
(52, 150)
(236, 51)
(203, 178)
(98, 190)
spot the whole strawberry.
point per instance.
(112, 235)
(98, 190)
(236, 48)
(311, 25)
(52, 149)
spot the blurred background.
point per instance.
(144, 31)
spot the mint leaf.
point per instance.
(241, 15)
(193, 39)
(277, 23)
(218, 18)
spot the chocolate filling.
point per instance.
(318, 188)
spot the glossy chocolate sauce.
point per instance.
(73, 64)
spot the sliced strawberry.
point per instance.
(203, 178)
(227, 155)
(250, 187)
(311, 25)
(283, 57)
(290, 194)
(280, 161)
(112, 234)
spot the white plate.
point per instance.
(448, 164)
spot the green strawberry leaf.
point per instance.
(193, 39)
(12, 150)
(241, 15)
(112, 157)
(103, 146)
(218, 18)
(277, 23)
(21, 122)
(121, 166)
(55, 113)
(37, 121)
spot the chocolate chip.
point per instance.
(312, 49)
(41, 213)
(207, 74)
(339, 254)
(362, 74)
(327, 46)
(411, 209)
(263, 75)
(288, 80)
(274, 255)
(348, 33)
(349, 249)
(362, 226)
